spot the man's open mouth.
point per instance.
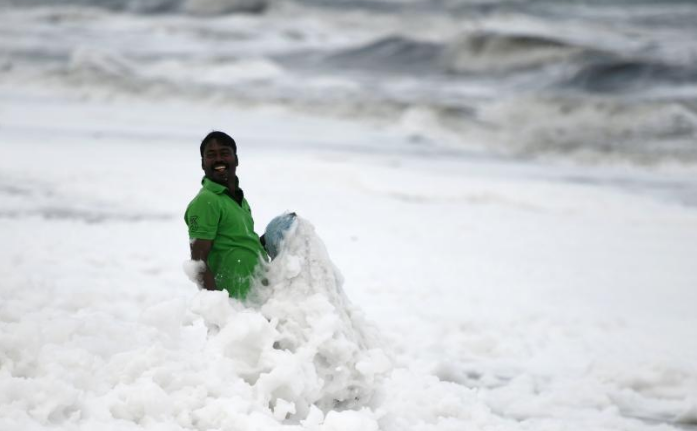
(220, 168)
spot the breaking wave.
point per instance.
(193, 7)
(596, 128)
(622, 75)
(610, 95)
(480, 52)
(391, 53)
(487, 51)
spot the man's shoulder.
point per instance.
(204, 192)
(245, 204)
(203, 197)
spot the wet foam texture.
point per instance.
(297, 352)
(334, 359)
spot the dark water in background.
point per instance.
(596, 79)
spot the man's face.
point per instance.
(219, 162)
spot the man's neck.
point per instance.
(232, 183)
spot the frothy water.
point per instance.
(332, 355)
(512, 295)
(297, 352)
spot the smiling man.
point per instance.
(221, 228)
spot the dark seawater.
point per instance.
(599, 79)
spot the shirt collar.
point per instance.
(213, 186)
(219, 189)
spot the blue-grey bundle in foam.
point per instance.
(275, 232)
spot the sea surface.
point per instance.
(590, 80)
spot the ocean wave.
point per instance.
(580, 126)
(193, 7)
(629, 74)
(486, 51)
(562, 95)
(217, 7)
(595, 128)
(481, 52)
(141, 6)
(392, 53)
(100, 62)
(92, 66)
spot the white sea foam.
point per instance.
(205, 363)
(509, 295)
(193, 269)
(338, 359)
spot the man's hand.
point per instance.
(199, 252)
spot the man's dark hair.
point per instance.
(221, 138)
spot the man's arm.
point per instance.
(199, 253)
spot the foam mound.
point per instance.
(296, 354)
(331, 358)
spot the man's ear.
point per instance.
(237, 160)
(202, 165)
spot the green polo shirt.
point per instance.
(214, 215)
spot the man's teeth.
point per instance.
(219, 168)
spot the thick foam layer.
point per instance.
(299, 353)
(336, 361)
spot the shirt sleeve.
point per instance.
(202, 217)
